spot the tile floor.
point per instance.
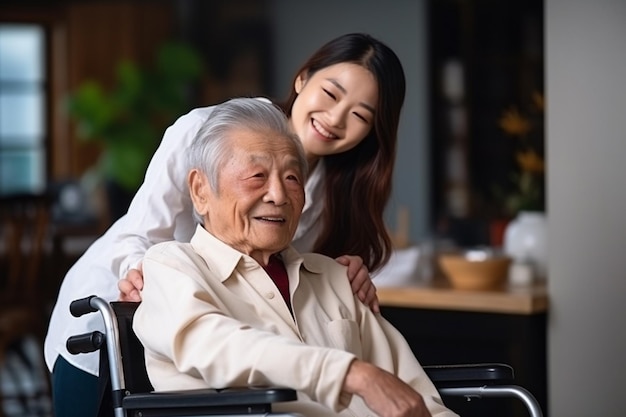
(24, 386)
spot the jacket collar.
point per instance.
(223, 259)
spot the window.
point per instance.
(22, 109)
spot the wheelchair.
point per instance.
(128, 391)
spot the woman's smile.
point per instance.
(317, 126)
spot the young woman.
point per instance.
(345, 106)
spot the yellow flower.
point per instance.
(538, 100)
(525, 188)
(530, 161)
(513, 123)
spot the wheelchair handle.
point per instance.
(111, 339)
(85, 343)
(82, 306)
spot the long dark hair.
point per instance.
(358, 182)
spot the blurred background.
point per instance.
(85, 85)
(466, 64)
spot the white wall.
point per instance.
(586, 145)
(300, 27)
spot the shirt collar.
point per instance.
(211, 249)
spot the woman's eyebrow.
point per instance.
(343, 90)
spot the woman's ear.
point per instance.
(300, 82)
(199, 190)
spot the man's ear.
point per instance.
(199, 189)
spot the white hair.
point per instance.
(210, 148)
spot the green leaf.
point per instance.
(130, 119)
(178, 62)
(129, 85)
(92, 110)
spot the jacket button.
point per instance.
(269, 295)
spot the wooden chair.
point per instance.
(24, 222)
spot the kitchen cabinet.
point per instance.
(446, 326)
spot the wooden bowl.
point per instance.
(475, 269)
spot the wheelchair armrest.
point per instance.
(231, 400)
(470, 374)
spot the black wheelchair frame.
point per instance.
(126, 389)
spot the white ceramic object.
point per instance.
(401, 270)
(525, 240)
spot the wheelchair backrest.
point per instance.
(133, 363)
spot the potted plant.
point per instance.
(527, 191)
(128, 121)
(525, 236)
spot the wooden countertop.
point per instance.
(439, 295)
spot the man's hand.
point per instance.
(383, 392)
(131, 285)
(360, 281)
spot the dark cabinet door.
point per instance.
(440, 337)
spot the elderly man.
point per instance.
(237, 306)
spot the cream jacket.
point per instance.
(212, 317)
(161, 211)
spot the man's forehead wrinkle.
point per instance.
(268, 156)
(258, 157)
